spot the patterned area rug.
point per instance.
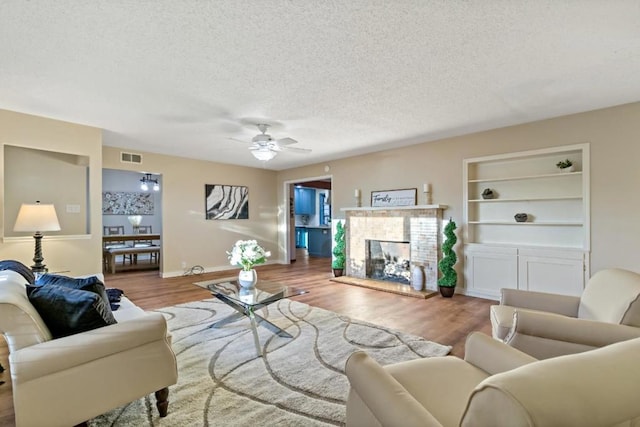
(300, 381)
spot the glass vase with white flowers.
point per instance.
(247, 253)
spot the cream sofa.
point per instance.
(495, 386)
(547, 325)
(69, 380)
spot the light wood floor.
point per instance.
(443, 320)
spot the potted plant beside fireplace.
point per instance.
(339, 254)
(447, 282)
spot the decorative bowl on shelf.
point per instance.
(521, 217)
(488, 194)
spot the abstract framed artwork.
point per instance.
(226, 201)
(127, 203)
(404, 197)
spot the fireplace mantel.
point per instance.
(394, 208)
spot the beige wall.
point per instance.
(613, 134)
(59, 179)
(186, 235)
(76, 254)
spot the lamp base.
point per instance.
(38, 267)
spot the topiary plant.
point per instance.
(339, 254)
(449, 277)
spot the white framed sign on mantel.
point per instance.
(403, 197)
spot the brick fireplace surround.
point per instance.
(421, 226)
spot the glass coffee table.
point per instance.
(247, 301)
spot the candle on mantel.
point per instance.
(357, 192)
(426, 187)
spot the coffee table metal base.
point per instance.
(254, 318)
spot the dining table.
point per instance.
(129, 245)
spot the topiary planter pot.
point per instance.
(337, 272)
(447, 291)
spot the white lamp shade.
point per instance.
(263, 154)
(37, 218)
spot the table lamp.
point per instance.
(37, 218)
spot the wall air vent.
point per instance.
(130, 158)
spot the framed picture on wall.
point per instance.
(126, 203)
(403, 197)
(226, 201)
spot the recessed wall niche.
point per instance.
(61, 179)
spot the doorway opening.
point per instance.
(131, 220)
(309, 218)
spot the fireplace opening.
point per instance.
(387, 260)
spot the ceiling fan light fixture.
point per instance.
(263, 155)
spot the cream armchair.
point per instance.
(547, 325)
(67, 381)
(497, 385)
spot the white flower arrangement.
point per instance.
(247, 253)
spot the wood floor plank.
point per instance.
(444, 320)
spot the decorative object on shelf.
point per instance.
(246, 254)
(37, 218)
(521, 217)
(404, 197)
(148, 179)
(426, 189)
(226, 201)
(356, 196)
(488, 194)
(417, 278)
(447, 283)
(339, 251)
(565, 165)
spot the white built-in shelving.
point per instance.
(548, 252)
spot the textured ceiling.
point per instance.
(341, 77)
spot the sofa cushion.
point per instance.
(612, 295)
(90, 283)
(67, 311)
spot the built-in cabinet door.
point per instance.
(305, 201)
(491, 268)
(557, 272)
(487, 270)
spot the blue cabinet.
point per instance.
(305, 201)
(319, 240)
(301, 237)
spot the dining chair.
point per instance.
(115, 230)
(146, 229)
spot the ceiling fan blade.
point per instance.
(286, 141)
(297, 150)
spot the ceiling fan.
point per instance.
(264, 147)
